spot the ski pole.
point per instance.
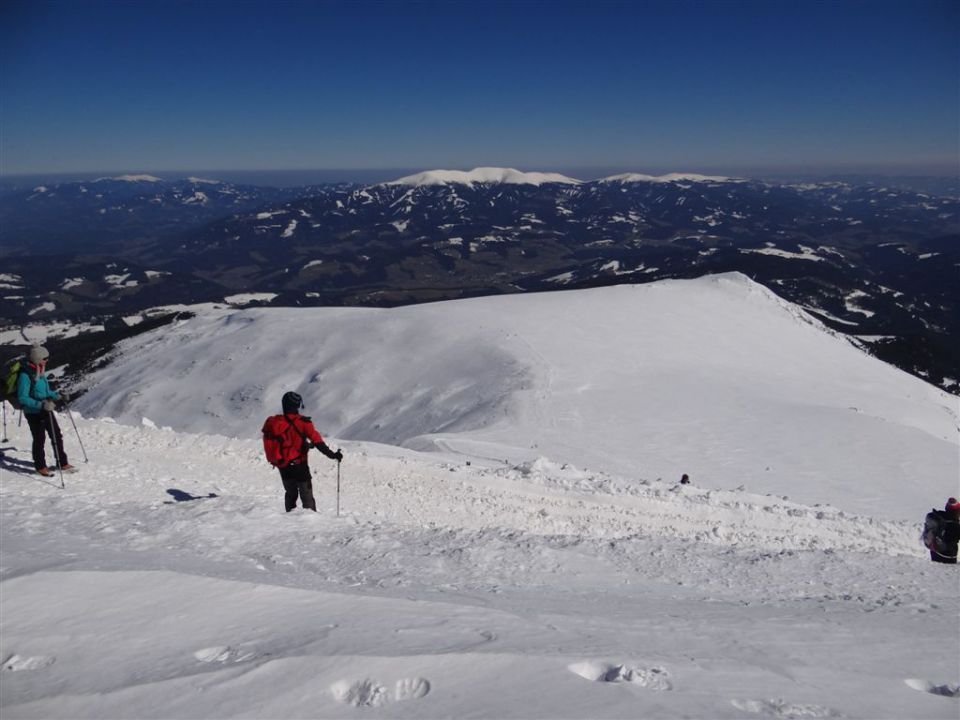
(72, 422)
(338, 487)
(56, 453)
(4, 420)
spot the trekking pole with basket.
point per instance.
(56, 452)
(72, 422)
(338, 486)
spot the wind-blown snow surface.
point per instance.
(165, 581)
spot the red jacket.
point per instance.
(286, 437)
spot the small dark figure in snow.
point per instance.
(941, 532)
(685, 480)
(286, 440)
(38, 401)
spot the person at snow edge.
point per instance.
(286, 440)
(941, 532)
(38, 400)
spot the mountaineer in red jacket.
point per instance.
(286, 440)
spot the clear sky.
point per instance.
(144, 85)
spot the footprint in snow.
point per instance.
(16, 663)
(223, 654)
(370, 693)
(411, 689)
(655, 678)
(783, 709)
(946, 690)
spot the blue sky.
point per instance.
(642, 86)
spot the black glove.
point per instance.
(325, 449)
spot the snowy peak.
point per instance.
(668, 178)
(486, 175)
(509, 176)
(132, 179)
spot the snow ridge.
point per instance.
(132, 178)
(669, 178)
(698, 377)
(483, 175)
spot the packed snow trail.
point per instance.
(166, 581)
(156, 495)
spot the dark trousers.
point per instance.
(297, 481)
(40, 424)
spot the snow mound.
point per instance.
(489, 175)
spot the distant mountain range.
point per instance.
(879, 263)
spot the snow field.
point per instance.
(513, 542)
(715, 377)
(446, 589)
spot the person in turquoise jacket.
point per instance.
(38, 401)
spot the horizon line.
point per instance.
(946, 170)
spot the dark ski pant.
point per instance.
(937, 557)
(40, 423)
(297, 481)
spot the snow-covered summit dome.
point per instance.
(132, 178)
(493, 175)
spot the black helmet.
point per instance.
(292, 402)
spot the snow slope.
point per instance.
(165, 581)
(488, 578)
(716, 377)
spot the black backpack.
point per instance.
(941, 533)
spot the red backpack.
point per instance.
(282, 441)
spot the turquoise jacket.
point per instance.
(33, 390)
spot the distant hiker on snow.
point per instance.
(941, 532)
(38, 401)
(286, 440)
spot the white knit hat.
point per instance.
(38, 353)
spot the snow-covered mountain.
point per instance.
(875, 262)
(487, 175)
(717, 378)
(141, 178)
(668, 178)
(513, 541)
(115, 214)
